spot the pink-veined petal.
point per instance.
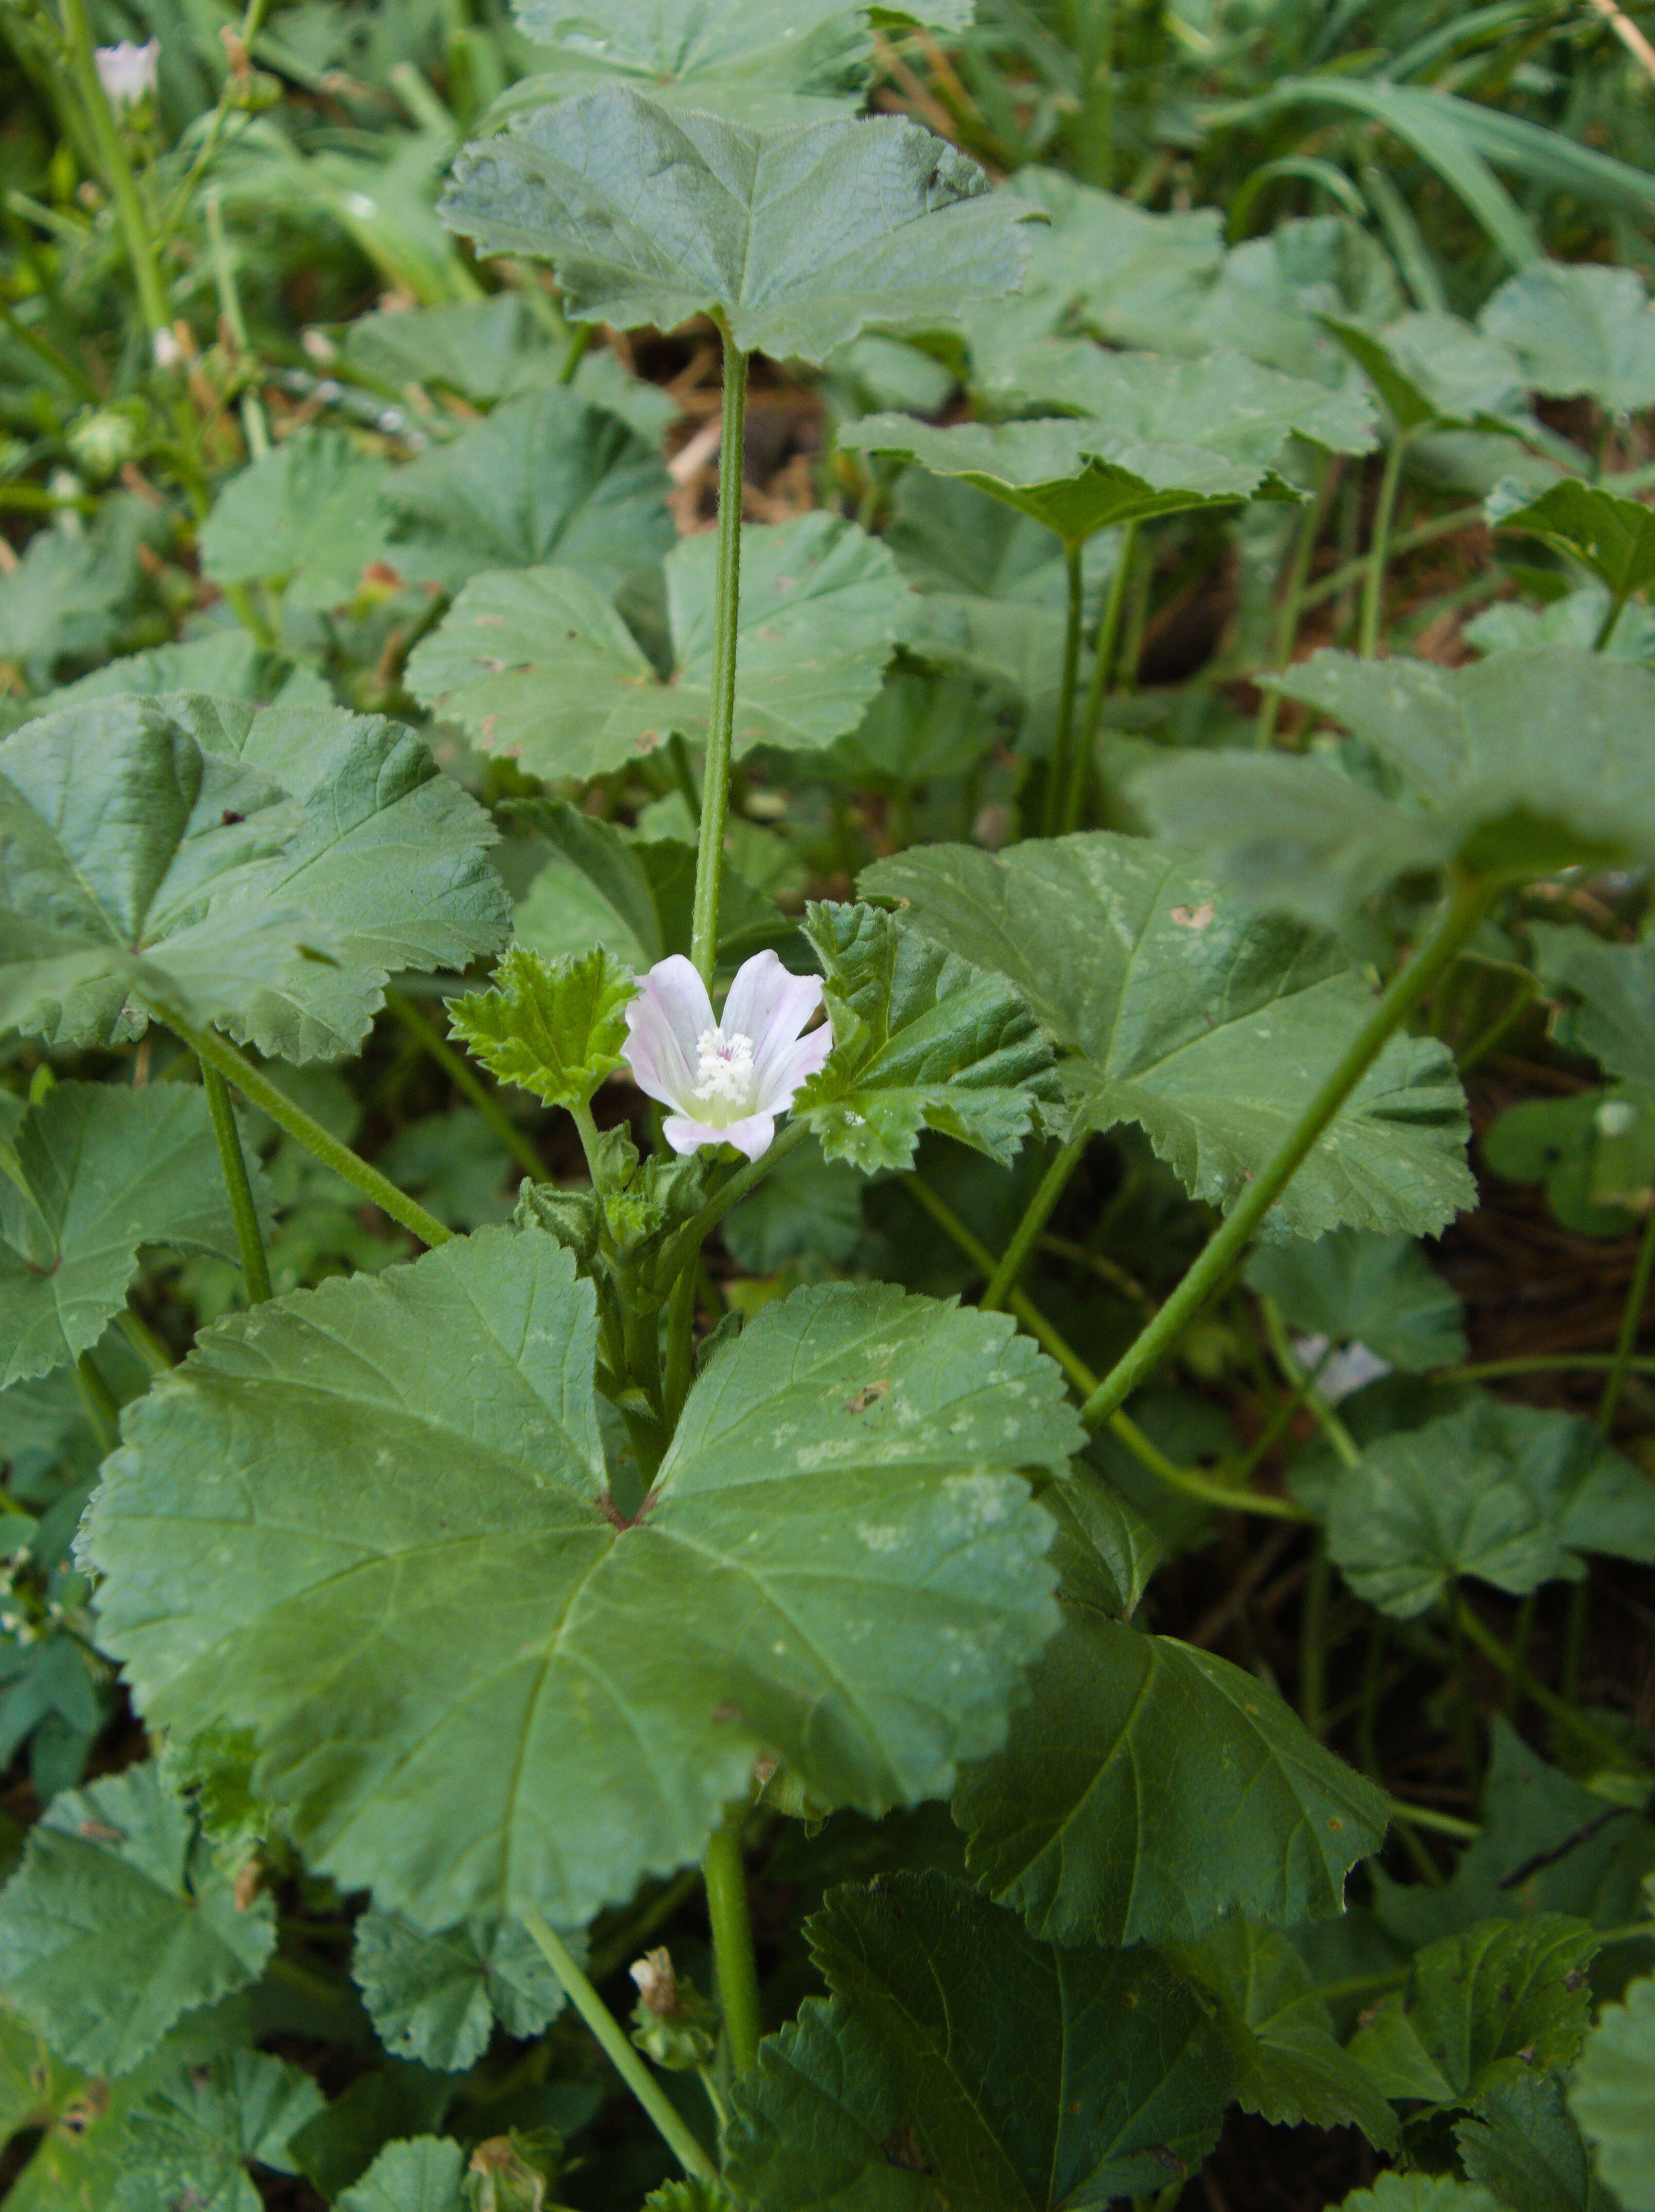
(787, 1070)
(754, 1136)
(664, 1024)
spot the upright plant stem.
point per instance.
(726, 1877)
(726, 609)
(1090, 26)
(1632, 1315)
(1108, 644)
(118, 170)
(1062, 744)
(254, 426)
(618, 2050)
(1013, 1261)
(1606, 628)
(216, 1052)
(1467, 902)
(1373, 586)
(466, 1078)
(255, 1268)
(97, 1403)
(579, 340)
(1291, 612)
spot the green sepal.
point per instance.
(554, 1028)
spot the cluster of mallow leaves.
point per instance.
(463, 1588)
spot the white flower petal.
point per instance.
(663, 1022)
(787, 1070)
(768, 1004)
(754, 1136)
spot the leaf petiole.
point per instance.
(465, 1079)
(725, 1876)
(726, 609)
(255, 1268)
(618, 2050)
(215, 1051)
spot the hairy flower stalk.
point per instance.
(726, 1080)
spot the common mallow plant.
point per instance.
(516, 1587)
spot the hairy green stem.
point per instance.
(1291, 612)
(250, 1242)
(682, 1251)
(1107, 645)
(1373, 587)
(466, 1078)
(1008, 1272)
(144, 1341)
(1555, 1708)
(1443, 1824)
(726, 611)
(725, 1873)
(680, 1343)
(1089, 29)
(1606, 628)
(1345, 1447)
(1467, 902)
(1062, 744)
(215, 1051)
(118, 170)
(1588, 1363)
(581, 339)
(255, 427)
(1407, 541)
(616, 2047)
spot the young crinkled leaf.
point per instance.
(538, 663)
(436, 1998)
(94, 1172)
(922, 1039)
(1201, 1021)
(1516, 766)
(1509, 1998)
(429, 1617)
(958, 2061)
(190, 2140)
(134, 860)
(1508, 1494)
(1613, 2095)
(546, 477)
(309, 516)
(426, 2174)
(390, 857)
(121, 1919)
(1580, 329)
(1615, 538)
(1355, 1287)
(1293, 2071)
(555, 1028)
(800, 239)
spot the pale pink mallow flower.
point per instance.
(127, 72)
(725, 1080)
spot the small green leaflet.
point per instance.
(1507, 1493)
(1420, 2193)
(309, 516)
(1518, 767)
(537, 663)
(1222, 403)
(424, 2175)
(93, 1173)
(1610, 988)
(798, 239)
(555, 1028)
(1294, 2072)
(1524, 2145)
(117, 834)
(1481, 2009)
(121, 1919)
(634, 895)
(548, 477)
(1615, 538)
(421, 1472)
(1434, 372)
(1580, 329)
(1356, 1287)
(435, 1998)
(1613, 2095)
(190, 2140)
(922, 1039)
(1114, 2081)
(1200, 1020)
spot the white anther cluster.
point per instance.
(724, 1067)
